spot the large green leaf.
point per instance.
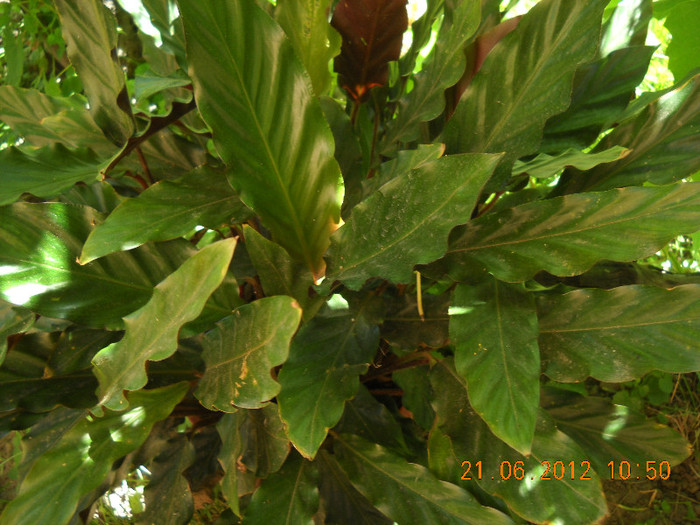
(167, 488)
(322, 373)
(13, 320)
(408, 492)
(664, 143)
(288, 497)
(443, 68)
(80, 457)
(407, 220)
(45, 172)
(494, 329)
(90, 32)
(627, 25)
(620, 334)
(282, 152)
(306, 24)
(682, 20)
(40, 272)
(602, 90)
(167, 210)
(567, 235)
(460, 435)
(609, 432)
(243, 349)
(152, 331)
(525, 80)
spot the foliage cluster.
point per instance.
(261, 247)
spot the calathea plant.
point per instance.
(262, 248)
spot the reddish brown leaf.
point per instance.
(372, 32)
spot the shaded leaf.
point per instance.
(405, 161)
(403, 326)
(306, 24)
(166, 210)
(13, 320)
(79, 459)
(288, 497)
(406, 221)
(544, 166)
(167, 488)
(493, 328)
(567, 235)
(407, 492)
(664, 143)
(152, 331)
(45, 172)
(90, 32)
(325, 361)
(466, 437)
(525, 80)
(229, 429)
(265, 444)
(282, 153)
(620, 334)
(416, 394)
(609, 432)
(243, 349)
(602, 90)
(372, 33)
(441, 70)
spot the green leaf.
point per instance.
(45, 172)
(620, 334)
(682, 20)
(13, 320)
(288, 497)
(417, 394)
(664, 143)
(627, 26)
(265, 445)
(281, 153)
(407, 492)
(384, 239)
(493, 328)
(229, 429)
(544, 166)
(152, 331)
(40, 270)
(243, 349)
(602, 90)
(567, 235)
(609, 432)
(167, 488)
(279, 274)
(325, 361)
(165, 211)
(441, 70)
(525, 80)
(342, 502)
(403, 326)
(306, 24)
(460, 435)
(90, 32)
(79, 460)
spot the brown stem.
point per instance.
(138, 178)
(144, 164)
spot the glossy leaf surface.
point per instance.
(620, 334)
(241, 352)
(414, 232)
(281, 154)
(544, 166)
(152, 331)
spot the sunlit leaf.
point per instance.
(681, 19)
(151, 332)
(544, 166)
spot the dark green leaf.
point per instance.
(90, 32)
(79, 460)
(609, 432)
(325, 361)
(383, 239)
(152, 331)
(460, 435)
(407, 492)
(493, 328)
(567, 235)
(403, 326)
(13, 320)
(265, 445)
(544, 166)
(417, 394)
(525, 80)
(45, 172)
(281, 153)
(620, 334)
(229, 428)
(167, 210)
(243, 349)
